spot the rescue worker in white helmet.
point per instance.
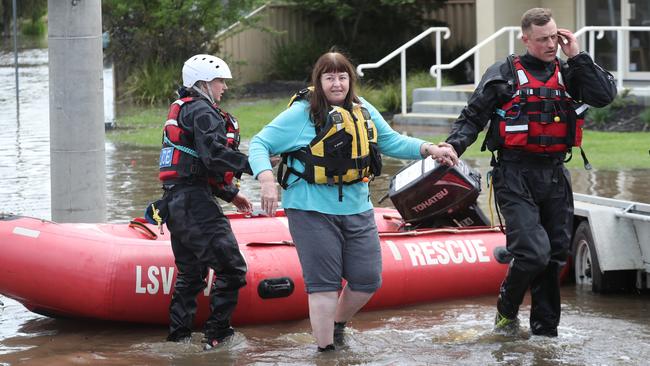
(200, 159)
(330, 140)
(534, 106)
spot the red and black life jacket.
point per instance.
(541, 117)
(179, 162)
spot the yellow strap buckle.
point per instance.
(156, 216)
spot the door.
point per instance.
(636, 56)
(638, 14)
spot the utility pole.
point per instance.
(16, 57)
(77, 153)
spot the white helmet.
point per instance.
(204, 67)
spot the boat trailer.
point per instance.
(611, 244)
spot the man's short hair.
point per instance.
(536, 16)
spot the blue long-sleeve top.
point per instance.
(291, 130)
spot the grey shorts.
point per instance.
(335, 247)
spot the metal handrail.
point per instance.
(619, 43)
(402, 51)
(237, 23)
(435, 69)
(594, 32)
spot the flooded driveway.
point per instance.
(595, 329)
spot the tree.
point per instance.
(165, 32)
(369, 29)
(32, 10)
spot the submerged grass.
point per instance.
(143, 127)
(139, 127)
(605, 150)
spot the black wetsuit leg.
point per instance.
(536, 203)
(202, 238)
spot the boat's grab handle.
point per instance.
(263, 243)
(143, 229)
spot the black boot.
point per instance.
(339, 333)
(327, 348)
(180, 337)
(214, 338)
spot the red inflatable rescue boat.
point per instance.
(126, 272)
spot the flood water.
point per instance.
(595, 329)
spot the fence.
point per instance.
(249, 50)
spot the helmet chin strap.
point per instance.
(207, 96)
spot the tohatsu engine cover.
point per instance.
(427, 193)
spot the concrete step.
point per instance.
(425, 119)
(444, 94)
(439, 107)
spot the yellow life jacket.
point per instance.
(344, 150)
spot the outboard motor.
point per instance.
(429, 194)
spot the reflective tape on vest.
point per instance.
(521, 75)
(581, 109)
(517, 128)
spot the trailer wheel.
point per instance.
(585, 260)
(587, 268)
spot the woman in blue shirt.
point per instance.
(335, 238)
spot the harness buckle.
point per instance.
(545, 92)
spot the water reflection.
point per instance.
(627, 185)
(24, 145)
(132, 182)
(594, 330)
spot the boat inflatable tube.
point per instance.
(433, 247)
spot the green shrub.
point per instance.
(387, 97)
(294, 60)
(33, 28)
(370, 93)
(600, 116)
(152, 84)
(645, 116)
(621, 100)
(390, 97)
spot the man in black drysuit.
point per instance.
(199, 160)
(532, 130)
